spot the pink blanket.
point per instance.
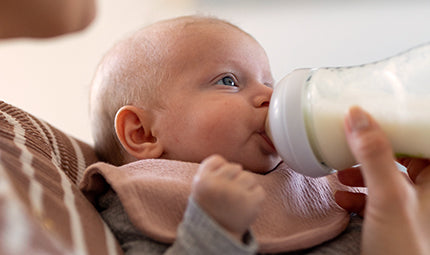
(299, 212)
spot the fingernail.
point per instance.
(358, 119)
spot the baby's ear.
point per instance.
(133, 129)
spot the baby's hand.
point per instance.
(228, 194)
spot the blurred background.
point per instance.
(51, 78)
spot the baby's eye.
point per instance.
(227, 80)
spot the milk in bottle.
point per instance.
(307, 110)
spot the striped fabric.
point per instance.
(42, 210)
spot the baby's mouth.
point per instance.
(268, 141)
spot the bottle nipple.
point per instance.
(267, 128)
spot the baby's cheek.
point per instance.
(218, 123)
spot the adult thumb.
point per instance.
(372, 149)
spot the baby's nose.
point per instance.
(263, 98)
(265, 103)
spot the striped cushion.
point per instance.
(41, 209)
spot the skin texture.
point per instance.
(397, 208)
(396, 213)
(44, 18)
(214, 105)
(209, 114)
(215, 101)
(230, 194)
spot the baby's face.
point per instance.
(217, 99)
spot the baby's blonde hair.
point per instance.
(133, 73)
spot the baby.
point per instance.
(190, 89)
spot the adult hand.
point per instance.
(397, 213)
(44, 18)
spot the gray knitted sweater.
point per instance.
(199, 234)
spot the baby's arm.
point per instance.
(228, 194)
(224, 202)
(197, 233)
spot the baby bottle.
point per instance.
(308, 106)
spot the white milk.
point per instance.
(307, 110)
(409, 134)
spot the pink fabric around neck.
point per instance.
(299, 212)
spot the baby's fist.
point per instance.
(227, 193)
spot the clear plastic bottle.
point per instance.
(307, 110)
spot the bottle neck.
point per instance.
(307, 111)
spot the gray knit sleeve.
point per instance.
(197, 234)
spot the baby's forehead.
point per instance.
(165, 41)
(182, 27)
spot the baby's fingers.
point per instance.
(213, 162)
(246, 180)
(209, 165)
(258, 194)
(207, 168)
(228, 171)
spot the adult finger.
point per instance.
(423, 177)
(350, 201)
(351, 177)
(415, 166)
(372, 150)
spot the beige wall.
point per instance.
(51, 78)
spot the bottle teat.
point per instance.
(267, 128)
